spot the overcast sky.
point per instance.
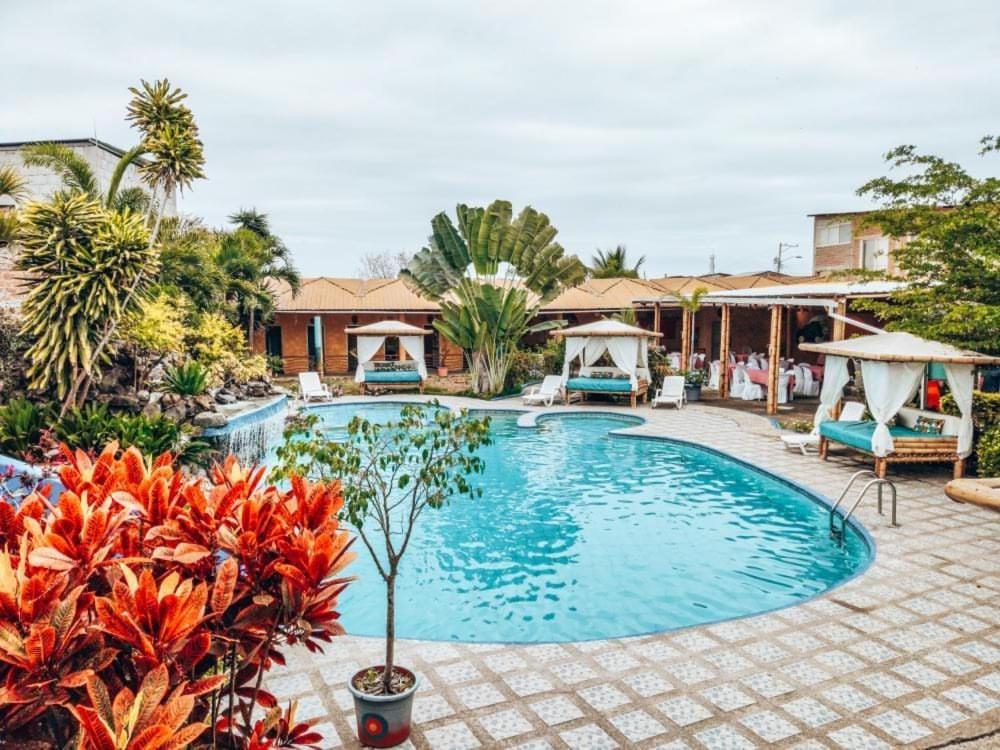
(680, 129)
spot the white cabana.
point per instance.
(371, 338)
(892, 368)
(625, 344)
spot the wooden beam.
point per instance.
(839, 327)
(656, 317)
(773, 355)
(685, 339)
(724, 353)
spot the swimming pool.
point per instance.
(582, 534)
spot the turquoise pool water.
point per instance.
(581, 534)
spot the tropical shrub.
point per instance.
(93, 426)
(482, 273)
(186, 379)
(22, 424)
(83, 260)
(141, 611)
(392, 473)
(221, 348)
(988, 452)
(154, 331)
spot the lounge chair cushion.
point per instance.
(599, 385)
(392, 376)
(859, 434)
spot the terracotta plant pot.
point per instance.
(443, 372)
(383, 720)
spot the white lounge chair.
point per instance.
(672, 392)
(310, 387)
(852, 411)
(544, 394)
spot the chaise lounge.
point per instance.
(391, 375)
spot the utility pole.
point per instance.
(779, 259)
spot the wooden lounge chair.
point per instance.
(310, 387)
(544, 394)
(982, 492)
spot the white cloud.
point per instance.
(678, 128)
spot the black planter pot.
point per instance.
(383, 720)
(692, 392)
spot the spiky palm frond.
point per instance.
(84, 261)
(13, 184)
(133, 199)
(155, 105)
(72, 168)
(253, 220)
(175, 158)
(127, 159)
(609, 264)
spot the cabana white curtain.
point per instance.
(960, 381)
(574, 348)
(835, 377)
(368, 347)
(628, 353)
(888, 387)
(624, 351)
(414, 346)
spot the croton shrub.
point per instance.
(141, 609)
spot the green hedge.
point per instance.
(985, 461)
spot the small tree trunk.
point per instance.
(390, 631)
(250, 330)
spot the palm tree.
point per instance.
(78, 177)
(252, 258)
(173, 160)
(691, 304)
(482, 273)
(610, 264)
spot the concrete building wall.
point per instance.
(102, 160)
(847, 255)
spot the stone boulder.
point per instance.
(209, 419)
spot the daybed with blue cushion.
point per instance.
(911, 445)
(391, 375)
(606, 381)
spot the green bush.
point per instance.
(988, 452)
(985, 460)
(525, 367)
(985, 408)
(188, 379)
(88, 428)
(22, 424)
(94, 426)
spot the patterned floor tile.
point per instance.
(455, 736)
(505, 724)
(637, 726)
(588, 737)
(556, 710)
(684, 711)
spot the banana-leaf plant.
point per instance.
(491, 274)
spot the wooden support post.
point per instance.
(724, 353)
(656, 317)
(685, 339)
(773, 355)
(839, 327)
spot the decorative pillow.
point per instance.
(384, 366)
(929, 425)
(620, 376)
(601, 375)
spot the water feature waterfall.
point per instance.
(249, 435)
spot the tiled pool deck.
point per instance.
(906, 655)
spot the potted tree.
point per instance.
(693, 381)
(390, 474)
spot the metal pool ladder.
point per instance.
(873, 481)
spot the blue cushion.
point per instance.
(392, 376)
(599, 385)
(859, 434)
